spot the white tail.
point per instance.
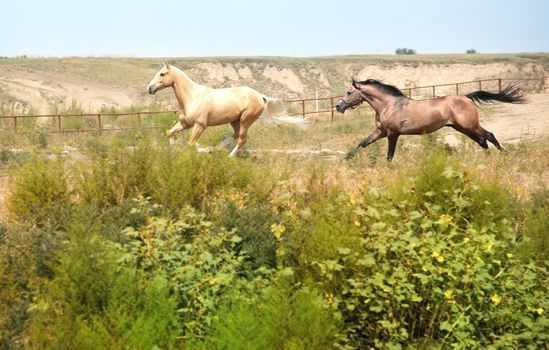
(276, 110)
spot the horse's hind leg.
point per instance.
(472, 135)
(487, 135)
(490, 137)
(242, 138)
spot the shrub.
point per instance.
(430, 267)
(120, 175)
(95, 303)
(534, 241)
(281, 317)
(200, 260)
(40, 195)
(253, 223)
(181, 178)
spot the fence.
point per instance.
(297, 107)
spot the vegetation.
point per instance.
(471, 51)
(405, 51)
(128, 243)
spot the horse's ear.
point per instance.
(167, 65)
(354, 83)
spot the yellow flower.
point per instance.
(496, 299)
(437, 256)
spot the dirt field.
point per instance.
(512, 122)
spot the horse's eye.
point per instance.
(348, 93)
(162, 74)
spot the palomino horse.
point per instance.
(201, 106)
(398, 115)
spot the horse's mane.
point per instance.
(390, 89)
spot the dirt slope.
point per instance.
(42, 85)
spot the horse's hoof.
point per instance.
(167, 133)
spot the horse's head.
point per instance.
(352, 99)
(162, 79)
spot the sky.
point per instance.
(201, 28)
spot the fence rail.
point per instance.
(299, 107)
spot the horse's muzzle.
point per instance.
(341, 106)
(151, 89)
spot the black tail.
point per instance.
(511, 94)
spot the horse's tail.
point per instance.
(511, 94)
(276, 110)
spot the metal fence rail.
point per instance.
(298, 105)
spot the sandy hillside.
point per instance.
(44, 85)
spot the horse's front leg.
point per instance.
(376, 135)
(169, 134)
(179, 126)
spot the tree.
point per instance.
(471, 51)
(405, 51)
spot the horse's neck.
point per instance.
(183, 87)
(379, 101)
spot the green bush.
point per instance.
(534, 241)
(93, 302)
(40, 195)
(281, 317)
(430, 267)
(179, 178)
(441, 185)
(120, 175)
(200, 260)
(253, 223)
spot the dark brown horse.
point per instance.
(398, 115)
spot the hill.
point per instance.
(44, 85)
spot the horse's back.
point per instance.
(229, 104)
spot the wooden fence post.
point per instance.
(332, 107)
(303, 107)
(15, 124)
(99, 126)
(434, 91)
(59, 122)
(499, 84)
